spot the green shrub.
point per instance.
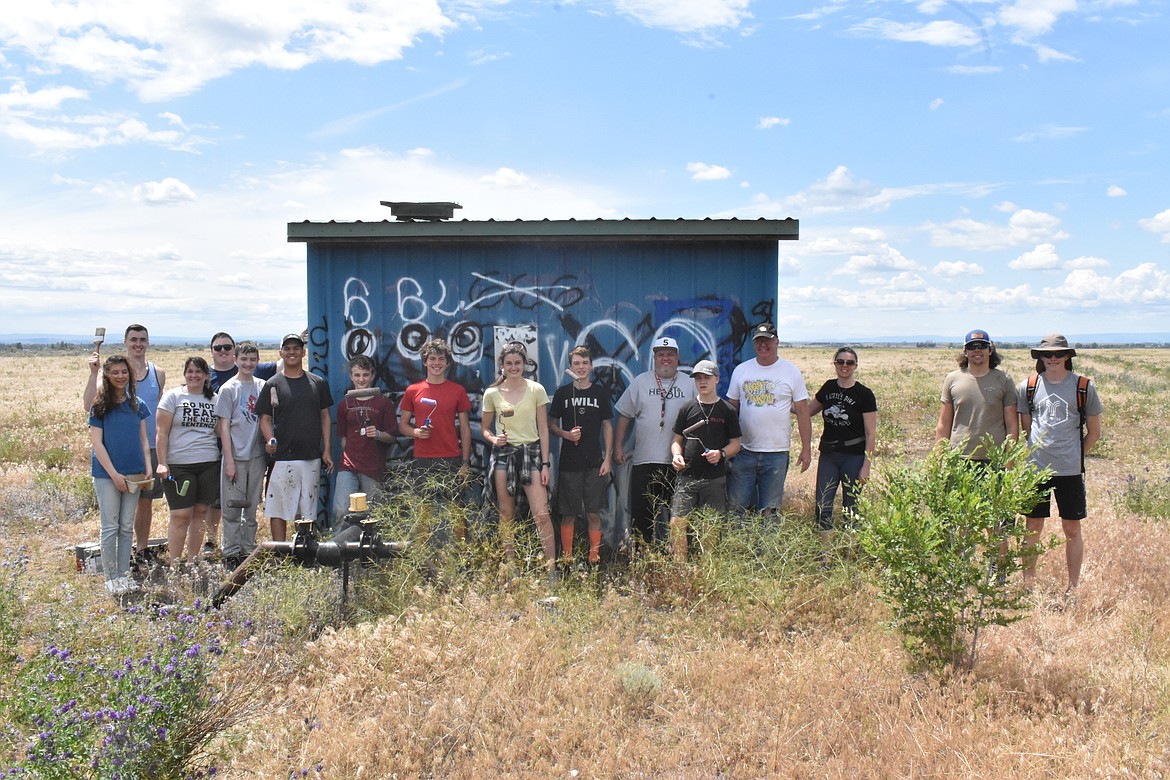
(932, 527)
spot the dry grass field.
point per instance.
(670, 674)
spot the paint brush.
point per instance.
(99, 337)
(432, 403)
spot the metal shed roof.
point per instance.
(545, 229)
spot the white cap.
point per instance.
(665, 342)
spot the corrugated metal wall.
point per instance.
(385, 300)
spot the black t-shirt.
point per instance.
(722, 425)
(587, 408)
(296, 415)
(842, 410)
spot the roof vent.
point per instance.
(421, 212)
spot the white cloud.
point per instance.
(974, 70)
(165, 50)
(885, 258)
(936, 104)
(1115, 192)
(1088, 261)
(1035, 17)
(789, 266)
(1143, 285)
(1049, 133)
(687, 15)
(951, 268)
(36, 118)
(768, 122)
(1042, 258)
(163, 193)
(505, 177)
(840, 191)
(1024, 227)
(936, 33)
(1159, 223)
(18, 97)
(703, 172)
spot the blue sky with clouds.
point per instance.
(952, 164)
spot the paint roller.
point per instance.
(504, 415)
(432, 403)
(691, 429)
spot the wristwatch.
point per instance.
(722, 454)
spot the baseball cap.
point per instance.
(665, 342)
(764, 330)
(292, 337)
(1053, 342)
(974, 336)
(707, 367)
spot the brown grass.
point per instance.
(480, 683)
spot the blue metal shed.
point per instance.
(383, 289)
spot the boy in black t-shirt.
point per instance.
(581, 410)
(706, 436)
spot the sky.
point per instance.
(953, 165)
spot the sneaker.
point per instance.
(210, 551)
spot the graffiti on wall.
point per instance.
(390, 323)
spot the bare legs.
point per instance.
(538, 500)
(186, 528)
(1074, 549)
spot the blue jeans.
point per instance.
(352, 482)
(117, 527)
(833, 469)
(757, 479)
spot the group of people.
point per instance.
(214, 441)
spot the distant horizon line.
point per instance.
(1122, 339)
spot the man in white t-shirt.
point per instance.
(766, 391)
(651, 404)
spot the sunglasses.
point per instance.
(978, 345)
(1057, 355)
(223, 347)
(841, 362)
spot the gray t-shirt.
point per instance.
(236, 402)
(653, 416)
(979, 404)
(1056, 423)
(192, 438)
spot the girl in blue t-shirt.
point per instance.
(121, 453)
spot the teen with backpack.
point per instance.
(1060, 412)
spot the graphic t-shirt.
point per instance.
(1056, 422)
(654, 403)
(588, 408)
(236, 402)
(766, 395)
(192, 438)
(842, 409)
